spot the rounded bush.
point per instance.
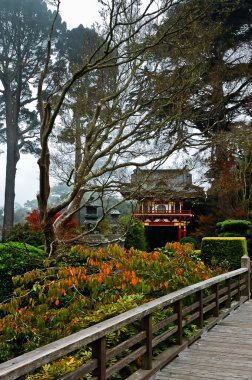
(188, 239)
(239, 227)
(24, 234)
(135, 235)
(15, 259)
(229, 234)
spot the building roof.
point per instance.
(162, 184)
(115, 212)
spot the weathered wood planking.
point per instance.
(224, 352)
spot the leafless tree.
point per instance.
(124, 129)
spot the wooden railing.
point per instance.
(159, 212)
(202, 305)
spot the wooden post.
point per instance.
(184, 230)
(200, 321)
(178, 310)
(147, 357)
(99, 352)
(216, 309)
(228, 301)
(245, 263)
(179, 233)
(239, 287)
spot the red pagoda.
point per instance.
(163, 200)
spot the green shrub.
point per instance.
(229, 234)
(188, 239)
(197, 252)
(15, 259)
(235, 227)
(24, 234)
(57, 301)
(135, 235)
(224, 249)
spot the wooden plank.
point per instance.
(225, 352)
(81, 371)
(138, 338)
(215, 360)
(238, 351)
(125, 361)
(164, 323)
(226, 357)
(207, 370)
(165, 335)
(174, 376)
(216, 363)
(217, 375)
(190, 308)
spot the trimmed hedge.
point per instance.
(234, 226)
(220, 250)
(15, 259)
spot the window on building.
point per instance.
(91, 212)
(161, 208)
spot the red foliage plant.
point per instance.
(33, 220)
(34, 223)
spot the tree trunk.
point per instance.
(11, 165)
(45, 214)
(50, 240)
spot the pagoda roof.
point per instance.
(162, 184)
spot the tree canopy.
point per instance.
(153, 79)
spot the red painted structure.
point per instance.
(152, 215)
(161, 195)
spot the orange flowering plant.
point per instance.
(87, 287)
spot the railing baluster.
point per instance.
(250, 282)
(228, 285)
(99, 352)
(245, 263)
(200, 321)
(147, 357)
(247, 282)
(216, 309)
(178, 310)
(239, 288)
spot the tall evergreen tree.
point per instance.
(214, 53)
(24, 30)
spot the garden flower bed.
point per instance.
(86, 287)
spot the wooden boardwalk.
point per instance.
(224, 352)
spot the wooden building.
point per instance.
(165, 198)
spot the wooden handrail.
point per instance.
(157, 212)
(224, 288)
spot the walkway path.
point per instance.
(224, 352)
